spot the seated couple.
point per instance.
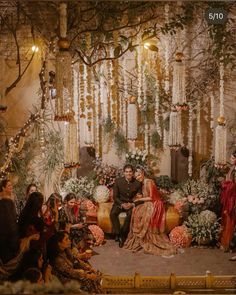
(144, 224)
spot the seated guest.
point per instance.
(31, 258)
(9, 240)
(32, 209)
(33, 275)
(148, 220)
(64, 267)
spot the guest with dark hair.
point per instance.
(33, 258)
(32, 209)
(31, 188)
(124, 191)
(9, 240)
(64, 266)
(33, 275)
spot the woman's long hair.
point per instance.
(31, 210)
(3, 184)
(53, 249)
(30, 259)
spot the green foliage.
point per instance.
(121, 143)
(156, 141)
(108, 126)
(53, 155)
(21, 167)
(164, 182)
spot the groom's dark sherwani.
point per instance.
(124, 191)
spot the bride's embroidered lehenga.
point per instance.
(148, 224)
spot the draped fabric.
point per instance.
(158, 216)
(228, 213)
(148, 224)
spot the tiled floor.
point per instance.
(194, 261)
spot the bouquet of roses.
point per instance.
(105, 174)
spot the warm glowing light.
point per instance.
(146, 45)
(35, 48)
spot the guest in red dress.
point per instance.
(228, 202)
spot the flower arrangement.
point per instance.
(204, 227)
(137, 157)
(199, 195)
(82, 187)
(97, 233)
(105, 174)
(180, 237)
(101, 194)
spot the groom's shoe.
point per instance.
(121, 242)
(117, 238)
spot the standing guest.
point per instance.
(124, 191)
(31, 188)
(9, 240)
(32, 209)
(228, 201)
(21, 203)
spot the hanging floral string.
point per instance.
(132, 119)
(71, 159)
(175, 132)
(3, 106)
(190, 140)
(179, 88)
(64, 92)
(221, 131)
(15, 144)
(157, 100)
(139, 69)
(115, 86)
(124, 99)
(89, 97)
(109, 84)
(167, 73)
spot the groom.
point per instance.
(124, 190)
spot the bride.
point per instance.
(148, 221)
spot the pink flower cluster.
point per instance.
(179, 205)
(195, 200)
(97, 233)
(180, 237)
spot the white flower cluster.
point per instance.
(82, 187)
(137, 157)
(175, 196)
(208, 216)
(203, 225)
(101, 194)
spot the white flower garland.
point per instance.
(190, 140)
(132, 121)
(221, 130)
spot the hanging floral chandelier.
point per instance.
(64, 93)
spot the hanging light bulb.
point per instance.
(35, 48)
